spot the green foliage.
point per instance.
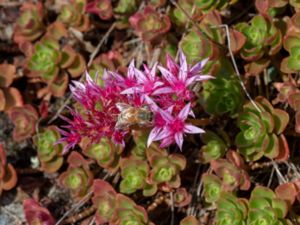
(212, 187)
(214, 147)
(134, 173)
(260, 130)
(262, 36)
(49, 152)
(223, 95)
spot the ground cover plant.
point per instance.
(148, 112)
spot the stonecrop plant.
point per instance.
(167, 98)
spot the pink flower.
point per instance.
(180, 77)
(171, 129)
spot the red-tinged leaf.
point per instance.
(256, 67)
(36, 214)
(294, 101)
(287, 192)
(284, 66)
(284, 151)
(10, 179)
(12, 98)
(2, 100)
(77, 67)
(68, 56)
(281, 119)
(237, 40)
(53, 165)
(235, 158)
(57, 30)
(262, 6)
(75, 159)
(101, 187)
(7, 74)
(189, 220)
(2, 161)
(59, 86)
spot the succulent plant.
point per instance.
(212, 187)
(182, 197)
(165, 168)
(49, 153)
(261, 132)
(291, 43)
(289, 191)
(29, 25)
(197, 46)
(78, 178)
(8, 175)
(134, 173)
(262, 37)
(127, 212)
(35, 214)
(9, 96)
(231, 171)
(231, 210)
(223, 95)
(73, 15)
(266, 208)
(47, 60)
(102, 8)
(140, 139)
(149, 25)
(123, 10)
(106, 153)
(177, 16)
(104, 201)
(214, 147)
(189, 220)
(24, 119)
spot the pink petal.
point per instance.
(130, 72)
(167, 141)
(204, 77)
(153, 135)
(183, 114)
(179, 140)
(167, 75)
(164, 90)
(166, 115)
(182, 61)
(191, 129)
(199, 66)
(152, 73)
(140, 76)
(131, 90)
(151, 103)
(165, 133)
(191, 113)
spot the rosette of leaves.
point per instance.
(231, 210)
(49, 153)
(29, 25)
(9, 96)
(102, 8)
(261, 131)
(165, 169)
(214, 147)
(104, 201)
(78, 178)
(106, 153)
(232, 172)
(212, 187)
(262, 37)
(223, 95)
(73, 15)
(8, 175)
(189, 220)
(134, 173)
(35, 214)
(122, 12)
(182, 197)
(291, 43)
(127, 212)
(289, 191)
(177, 16)
(52, 65)
(150, 25)
(24, 119)
(197, 46)
(266, 208)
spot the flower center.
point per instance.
(177, 125)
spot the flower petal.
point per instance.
(179, 140)
(153, 135)
(166, 115)
(191, 129)
(163, 90)
(167, 75)
(198, 67)
(183, 114)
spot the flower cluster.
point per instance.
(124, 102)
